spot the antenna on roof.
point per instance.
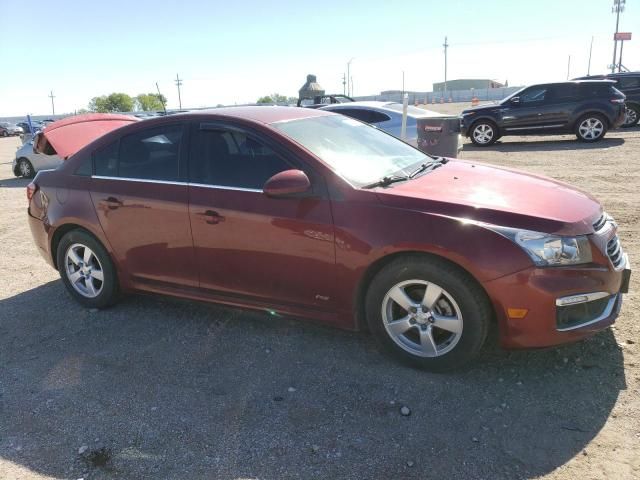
(161, 98)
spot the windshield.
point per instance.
(507, 98)
(358, 152)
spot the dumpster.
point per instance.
(439, 135)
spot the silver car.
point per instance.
(27, 163)
(9, 129)
(427, 130)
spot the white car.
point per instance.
(27, 162)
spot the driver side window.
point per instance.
(229, 158)
(534, 94)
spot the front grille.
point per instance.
(614, 252)
(600, 223)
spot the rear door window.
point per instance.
(230, 158)
(563, 93)
(152, 154)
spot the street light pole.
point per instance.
(618, 6)
(446, 46)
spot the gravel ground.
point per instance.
(162, 388)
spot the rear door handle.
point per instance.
(112, 203)
(213, 217)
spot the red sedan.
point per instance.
(315, 215)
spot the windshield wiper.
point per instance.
(428, 166)
(386, 181)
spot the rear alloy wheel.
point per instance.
(427, 313)
(25, 169)
(631, 116)
(591, 128)
(86, 270)
(484, 134)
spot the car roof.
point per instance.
(603, 81)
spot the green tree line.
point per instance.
(121, 102)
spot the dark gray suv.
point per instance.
(587, 108)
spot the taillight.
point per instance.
(32, 188)
(617, 100)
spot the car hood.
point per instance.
(477, 192)
(65, 137)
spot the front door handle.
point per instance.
(112, 203)
(213, 217)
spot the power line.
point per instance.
(53, 107)
(178, 83)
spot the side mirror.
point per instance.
(515, 100)
(286, 184)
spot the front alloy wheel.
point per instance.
(483, 134)
(422, 318)
(427, 312)
(25, 168)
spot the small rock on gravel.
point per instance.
(82, 449)
(405, 411)
(410, 463)
(475, 439)
(315, 448)
(291, 389)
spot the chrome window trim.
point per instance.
(226, 187)
(606, 313)
(146, 180)
(189, 184)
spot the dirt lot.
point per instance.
(161, 388)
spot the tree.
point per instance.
(150, 102)
(115, 102)
(273, 98)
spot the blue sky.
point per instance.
(234, 52)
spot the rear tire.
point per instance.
(87, 270)
(632, 116)
(25, 169)
(445, 318)
(484, 133)
(591, 128)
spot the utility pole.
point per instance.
(402, 83)
(178, 83)
(618, 7)
(446, 46)
(53, 107)
(568, 67)
(349, 77)
(344, 84)
(590, 51)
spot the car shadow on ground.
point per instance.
(161, 388)
(556, 144)
(14, 182)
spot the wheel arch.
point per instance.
(62, 230)
(374, 268)
(592, 111)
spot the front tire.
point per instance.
(25, 169)
(631, 116)
(87, 270)
(428, 313)
(591, 128)
(484, 133)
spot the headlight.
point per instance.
(550, 250)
